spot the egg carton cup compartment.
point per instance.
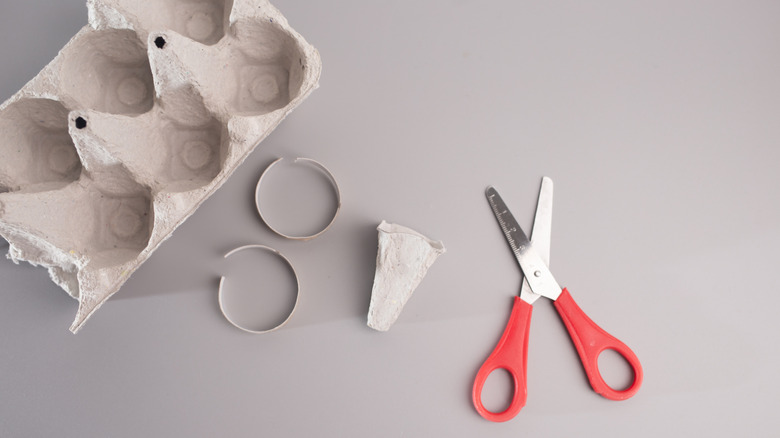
(138, 120)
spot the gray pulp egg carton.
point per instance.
(141, 117)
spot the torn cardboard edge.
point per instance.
(96, 173)
(403, 258)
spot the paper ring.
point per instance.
(297, 290)
(327, 173)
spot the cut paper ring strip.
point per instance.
(327, 173)
(297, 290)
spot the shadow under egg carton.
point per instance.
(139, 119)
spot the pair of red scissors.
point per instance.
(512, 350)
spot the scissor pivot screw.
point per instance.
(537, 274)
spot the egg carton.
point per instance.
(138, 120)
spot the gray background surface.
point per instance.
(658, 122)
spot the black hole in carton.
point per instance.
(159, 42)
(81, 123)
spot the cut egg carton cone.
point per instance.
(138, 120)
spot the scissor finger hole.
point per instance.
(615, 370)
(498, 391)
(259, 292)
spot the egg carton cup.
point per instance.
(138, 120)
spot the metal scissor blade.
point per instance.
(540, 233)
(534, 267)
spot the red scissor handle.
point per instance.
(510, 354)
(591, 340)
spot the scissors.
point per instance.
(511, 353)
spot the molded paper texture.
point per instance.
(141, 117)
(402, 260)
